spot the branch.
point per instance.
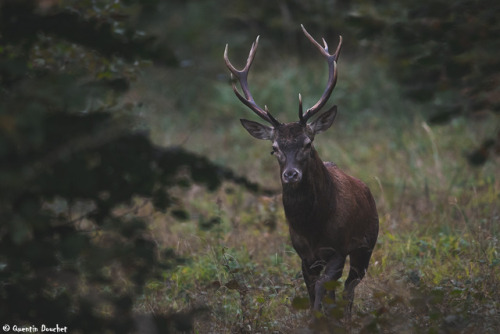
(19, 21)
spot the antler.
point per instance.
(242, 76)
(332, 77)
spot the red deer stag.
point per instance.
(330, 214)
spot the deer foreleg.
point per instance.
(333, 271)
(359, 260)
(310, 275)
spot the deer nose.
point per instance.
(291, 176)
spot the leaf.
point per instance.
(260, 300)
(331, 285)
(180, 214)
(300, 303)
(233, 285)
(206, 225)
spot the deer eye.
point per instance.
(307, 146)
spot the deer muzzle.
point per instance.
(291, 175)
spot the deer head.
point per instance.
(291, 142)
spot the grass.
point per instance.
(436, 266)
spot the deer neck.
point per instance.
(308, 201)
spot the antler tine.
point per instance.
(242, 76)
(301, 111)
(332, 75)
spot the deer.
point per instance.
(330, 214)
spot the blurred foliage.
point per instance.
(443, 53)
(72, 251)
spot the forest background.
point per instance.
(132, 200)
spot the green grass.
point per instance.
(436, 267)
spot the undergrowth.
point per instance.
(436, 266)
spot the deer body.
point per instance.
(321, 213)
(330, 214)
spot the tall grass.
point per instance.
(436, 266)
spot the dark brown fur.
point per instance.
(331, 215)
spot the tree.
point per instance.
(443, 53)
(71, 251)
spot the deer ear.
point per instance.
(258, 130)
(324, 121)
